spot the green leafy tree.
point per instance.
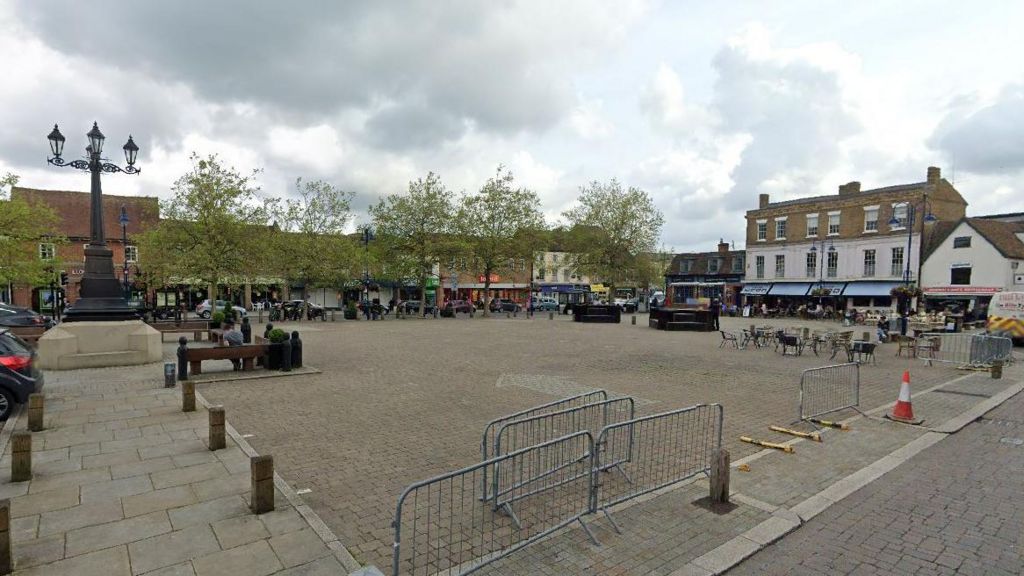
(23, 226)
(499, 224)
(412, 230)
(613, 232)
(214, 229)
(313, 247)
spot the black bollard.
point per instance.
(266, 333)
(182, 360)
(296, 350)
(246, 331)
(286, 356)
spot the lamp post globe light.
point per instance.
(367, 238)
(101, 296)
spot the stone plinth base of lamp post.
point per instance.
(92, 344)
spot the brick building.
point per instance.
(725, 268)
(72, 210)
(844, 243)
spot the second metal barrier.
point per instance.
(829, 389)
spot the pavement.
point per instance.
(952, 509)
(393, 402)
(124, 484)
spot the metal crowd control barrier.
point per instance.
(543, 427)
(974, 350)
(442, 528)
(666, 448)
(829, 389)
(487, 443)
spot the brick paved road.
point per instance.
(956, 508)
(400, 401)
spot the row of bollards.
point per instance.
(21, 471)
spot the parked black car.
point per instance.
(504, 305)
(413, 307)
(19, 375)
(18, 316)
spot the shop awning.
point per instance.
(789, 289)
(834, 288)
(755, 289)
(869, 288)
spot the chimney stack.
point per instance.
(934, 174)
(762, 201)
(849, 188)
(723, 246)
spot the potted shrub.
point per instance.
(350, 311)
(821, 292)
(216, 320)
(276, 337)
(907, 292)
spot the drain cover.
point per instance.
(1013, 441)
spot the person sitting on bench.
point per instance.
(233, 337)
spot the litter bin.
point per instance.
(169, 374)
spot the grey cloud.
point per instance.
(794, 113)
(986, 141)
(412, 126)
(467, 61)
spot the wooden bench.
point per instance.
(30, 334)
(196, 327)
(247, 353)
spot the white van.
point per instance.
(1006, 315)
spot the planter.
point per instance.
(350, 314)
(274, 356)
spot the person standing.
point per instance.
(716, 311)
(233, 337)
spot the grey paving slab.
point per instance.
(172, 548)
(83, 540)
(207, 512)
(300, 547)
(109, 562)
(165, 499)
(115, 489)
(87, 514)
(178, 476)
(183, 569)
(38, 551)
(241, 530)
(41, 502)
(255, 559)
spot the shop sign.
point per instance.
(483, 279)
(940, 290)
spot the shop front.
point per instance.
(970, 300)
(870, 295)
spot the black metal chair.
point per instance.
(729, 338)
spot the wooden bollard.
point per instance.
(35, 412)
(21, 457)
(262, 498)
(997, 369)
(634, 320)
(217, 440)
(551, 315)
(6, 558)
(720, 476)
(188, 396)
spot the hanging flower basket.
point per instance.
(821, 292)
(907, 292)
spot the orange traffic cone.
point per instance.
(903, 411)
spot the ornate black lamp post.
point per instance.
(821, 262)
(101, 296)
(929, 218)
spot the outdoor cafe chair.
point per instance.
(729, 338)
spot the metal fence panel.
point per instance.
(665, 449)
(442, 527)
(543, 427)
(966, 349)
(487, 443)
(986, 349)
(828, 389)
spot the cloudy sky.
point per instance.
(702, 104)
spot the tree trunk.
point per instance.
(423, 296)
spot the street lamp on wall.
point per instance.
(102, 296)
(929, 218)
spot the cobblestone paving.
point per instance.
(953, 509)
(401, 401)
